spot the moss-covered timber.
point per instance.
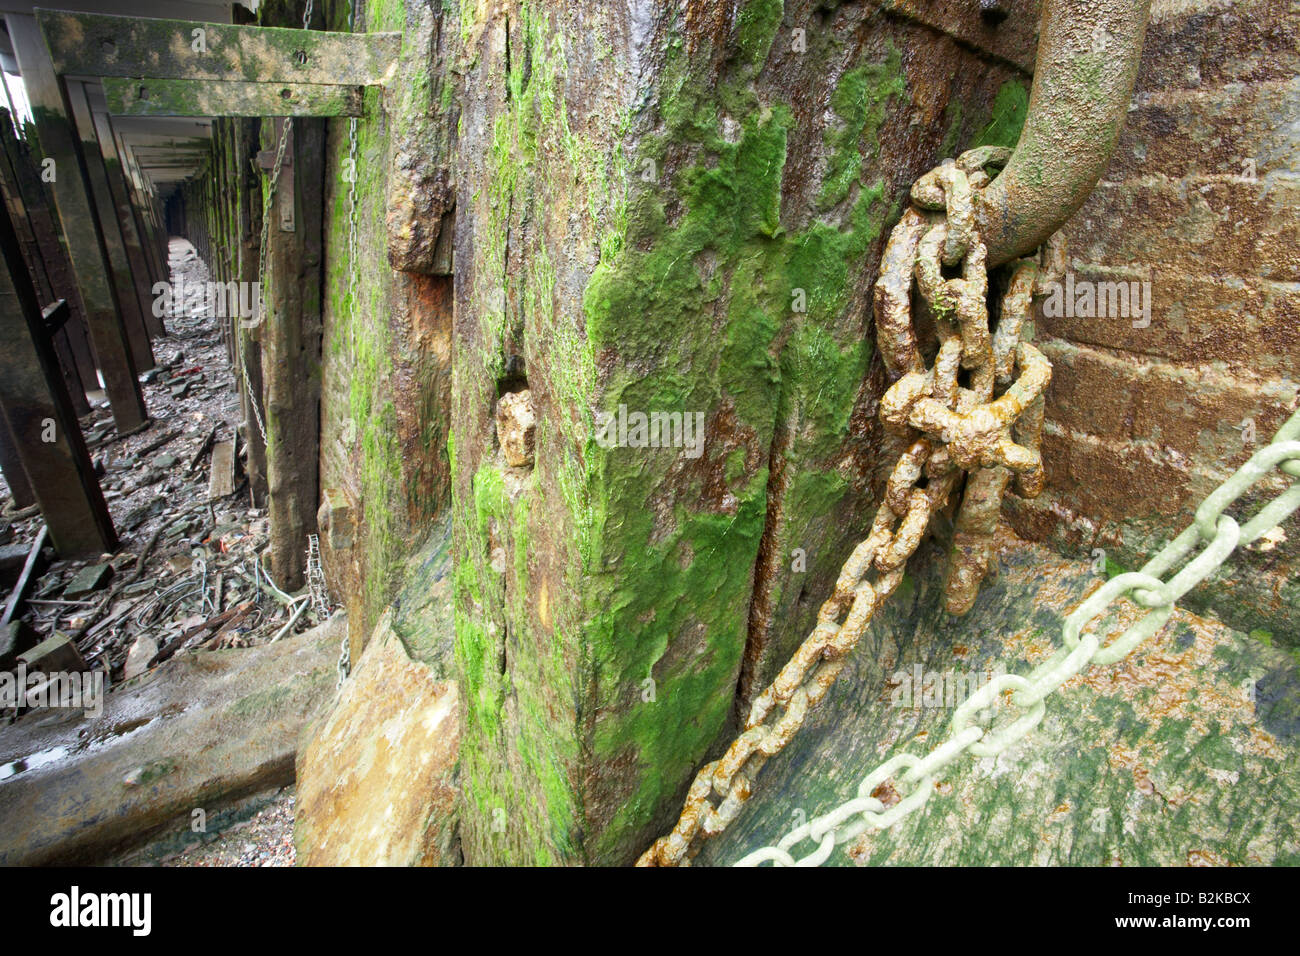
(696, 236)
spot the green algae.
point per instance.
(1010, 107)
(651, 594)
(859, 102)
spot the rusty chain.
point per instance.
(988, 427)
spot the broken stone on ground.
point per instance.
(190, 574)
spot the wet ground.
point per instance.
(188, 571)
(189, 574)
(265, 839)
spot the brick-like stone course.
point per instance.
(1200, 201)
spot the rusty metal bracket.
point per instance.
(1088, 53)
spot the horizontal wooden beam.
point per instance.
(93, 44)
(153, 97)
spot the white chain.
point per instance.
(1221, 534)
(352, 218)
(316, 584)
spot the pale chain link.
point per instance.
(316, 584)
(263, 265)
(318, 588)
(264, 245)
(344, 666)
(780, 710)
(1221, 535)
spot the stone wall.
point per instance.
(1200, 200)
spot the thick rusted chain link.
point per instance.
(943, 429)
(1217, 532)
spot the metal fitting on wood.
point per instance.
(1088, 53)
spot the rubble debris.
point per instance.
(31, 570)
(15, 638)
(56, 653)
(202, 449)
(221, 484)
(142, 651)
(89, 579)
(266, 839)
(188, 575)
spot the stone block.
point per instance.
(377, 776)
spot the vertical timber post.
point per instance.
(20, 217)
(54, 255)
(128, 293)
(139, 202)
(80, 227)
(131, 239)
(11, 465)
(39, 416)
(247, 339)
(291, 350)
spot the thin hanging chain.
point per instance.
(316, 585)
(942, 430)
(263, 267)
(352, 192)
(1220, 535)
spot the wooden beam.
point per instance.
(153, 97)
(129, 290)
(134, 246)
(291, 351)
(11, 465)
(30, 209)
(81, 230)
(34, 402)
(140, 204)
(54, 256)
(33, 568)
(92, 44)
(248, 189)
